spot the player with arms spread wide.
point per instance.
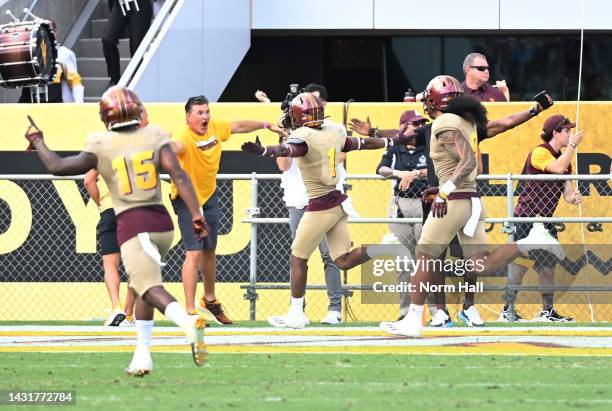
(317, 147)
(457, 208)
(129, 158)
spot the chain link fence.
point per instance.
(50, 268)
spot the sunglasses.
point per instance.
(481, 68)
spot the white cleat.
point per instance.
(332, 318)
(289, 321)
(115, 318)
(540, 239)
(403, 327)
(141, 365)
(441, 319)
(471, 317)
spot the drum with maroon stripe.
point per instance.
(28, 51)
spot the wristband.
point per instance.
(446, 189)
(266, 124)
(374, 132)
(533, 112)
(571, 143)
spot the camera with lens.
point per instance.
(294, 90)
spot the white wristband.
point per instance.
(448, 187)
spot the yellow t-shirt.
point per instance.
(106, 201)
(201, 157)
(541, 158)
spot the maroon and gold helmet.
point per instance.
(306, 110)
(440, 91)
(120, 107)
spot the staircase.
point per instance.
(90, 58)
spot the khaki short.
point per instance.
(141, 257)
(316, 225)
(438, 232)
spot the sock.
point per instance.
(178, 315)
(415, 312)
(547, 300)
(297, 305)
(144, 330)
(209, 302)
(129, 317)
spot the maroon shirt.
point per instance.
(150, 219)
(485, 93)
(540, 197)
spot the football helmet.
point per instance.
(306, 110)
(440, 91)
(120, 107)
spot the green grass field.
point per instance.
(318, 382)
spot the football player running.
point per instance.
(317, 147)
(457, 208)
(129, 158)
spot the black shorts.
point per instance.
(542, 258)
(107, 232)
(213, 215)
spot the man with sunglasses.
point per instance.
(407, 164)
(541, 198)
(476, 83)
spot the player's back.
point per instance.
(318, 166)
(129, 163)
(445, 163)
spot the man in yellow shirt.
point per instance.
(198, 148)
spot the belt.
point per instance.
(463, 195)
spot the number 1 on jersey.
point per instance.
(331, 156)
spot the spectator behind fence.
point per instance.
(67, 86)
(540, 198)
(137, 20)
(408, 165)
(477, 71)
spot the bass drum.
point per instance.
(28, 51)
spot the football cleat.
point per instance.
(409, 326)
(195, 336)
(441, 319)
(141, 364)
(291, 320)
(471, 317)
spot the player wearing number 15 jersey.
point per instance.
(129, 158)
(317, 148)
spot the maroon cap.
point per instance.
(411, 116)
(556, 122)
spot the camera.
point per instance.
(294, 90)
